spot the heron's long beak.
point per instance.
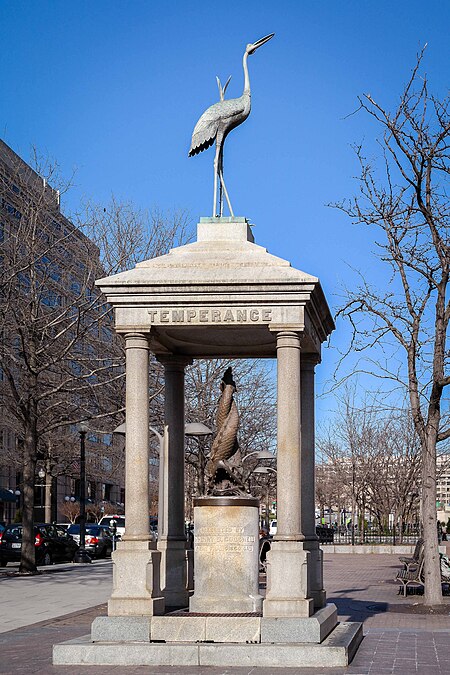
(259, 43)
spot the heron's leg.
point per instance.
(216, 171)
(220, 182)
(223, 182)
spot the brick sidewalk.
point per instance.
(399, 639)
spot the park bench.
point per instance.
(409, 576)
(415, 576)
(414, 560)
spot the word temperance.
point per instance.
(223, 315)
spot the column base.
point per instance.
(136, 586)
(315, 574)
(174, 572)
(288, 583)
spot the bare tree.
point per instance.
(410, 315)
(371, 460)
(127, 235)
(71, 511)
(61, 361)
(346, 447)
(52, 321)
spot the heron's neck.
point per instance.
(246, 77)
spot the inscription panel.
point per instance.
(226, 559)
(210, 315)
(234, 539)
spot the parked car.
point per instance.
(52, 544)
(120, 523)
(98, 539)
(273, 528)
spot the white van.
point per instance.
(273, 528)
(119, 521)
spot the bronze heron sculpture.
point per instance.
(224, 477)
(218, 120)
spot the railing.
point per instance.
(354, 536)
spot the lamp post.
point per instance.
(81, 556)
(198, 430)
(190, 429)
(41, 476)
(266, 470)
(17, 494)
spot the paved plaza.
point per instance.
(400, 636)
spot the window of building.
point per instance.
(107, 488)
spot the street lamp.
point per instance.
(81, 556)
(190, 429)
(265, 470)
(17, 494)
(261, 454)
(41, 476)
(196, 429)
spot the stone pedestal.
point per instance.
(226, 546)
(136, 585)
(288, 580)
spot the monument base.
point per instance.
(336, 650)
(136, 586)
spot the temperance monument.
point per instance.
(222, 296)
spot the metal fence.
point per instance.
(354, 536)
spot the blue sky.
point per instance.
(114, 88)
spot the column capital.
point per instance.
(288, 338)
(176, 362)
(136, 341)
(309, 361)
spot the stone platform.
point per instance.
(336, 650)
(182, 639)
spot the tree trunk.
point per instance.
(28, 552)
(432, 571)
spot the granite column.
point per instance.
(287, 562)
(172, 538)
(307, 463)
(136, 585)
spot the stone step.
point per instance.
(337, 650)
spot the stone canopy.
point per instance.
(221, 296)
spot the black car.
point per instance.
(98, 539)
(52, 544)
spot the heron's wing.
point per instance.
(206, 129)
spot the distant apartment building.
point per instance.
(48, 269)
(443, 487)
